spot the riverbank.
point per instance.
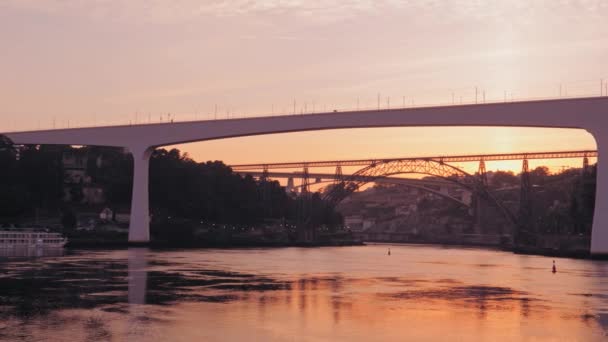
(575, 254)
(112, 244)
(523, 250)
(121, 241)
(101, 243)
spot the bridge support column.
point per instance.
(525, 220)
(599, 231)
(305, 189)
(290, 185)
(339, 178)
(139, 226)
(482, 173)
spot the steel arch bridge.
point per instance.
(397, 181)
(420, 166)
(336, 178)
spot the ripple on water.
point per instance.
(102, 288)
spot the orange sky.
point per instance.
(109, 62)
(398, 142)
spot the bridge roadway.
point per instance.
(589, 113)
(446, 159)
(438, 187)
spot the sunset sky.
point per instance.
(111, 62)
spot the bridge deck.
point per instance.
(458, 158)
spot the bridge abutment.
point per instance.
(139, 226)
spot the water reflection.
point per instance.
(138, 275)
(137, 280)
(30, 252)
(145, 295)
(600, 277)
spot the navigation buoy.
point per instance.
(389, 251)
(554, 269)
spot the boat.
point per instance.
(31, 238)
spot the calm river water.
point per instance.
(301, 294)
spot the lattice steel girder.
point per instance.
(440, 159)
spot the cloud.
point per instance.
(314, 11)
(180, 10)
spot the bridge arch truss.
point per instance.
(393, 180)
(429, 167)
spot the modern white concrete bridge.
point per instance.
(590, 114)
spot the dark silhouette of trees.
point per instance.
(112, 169)
(12, 195)
(68, 219)
(5, 143)
(180, 187)
(502, 179)
(31, 183)
(30, 180)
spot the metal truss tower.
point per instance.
(482, 172)
(305, 189)
(339, 178)
(266, 191)
(526, 223)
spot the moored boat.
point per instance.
(30, 238)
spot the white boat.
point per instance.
(30, 238)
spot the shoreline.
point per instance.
(97, 244)
(163, 244)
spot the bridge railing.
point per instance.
(409, 98)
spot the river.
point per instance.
(357, 293)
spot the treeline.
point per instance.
(560, 203)
(32, 180)
(181, 187)
(32, 183)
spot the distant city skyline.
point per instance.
(93, 63)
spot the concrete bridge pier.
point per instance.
(599, 232)
(139, 226)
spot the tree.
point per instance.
(503, 179)
(539, 175)
(180, 187)
(5, 143)
(68, 219)
(210, 191)
(114, 174)
(13, 201)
